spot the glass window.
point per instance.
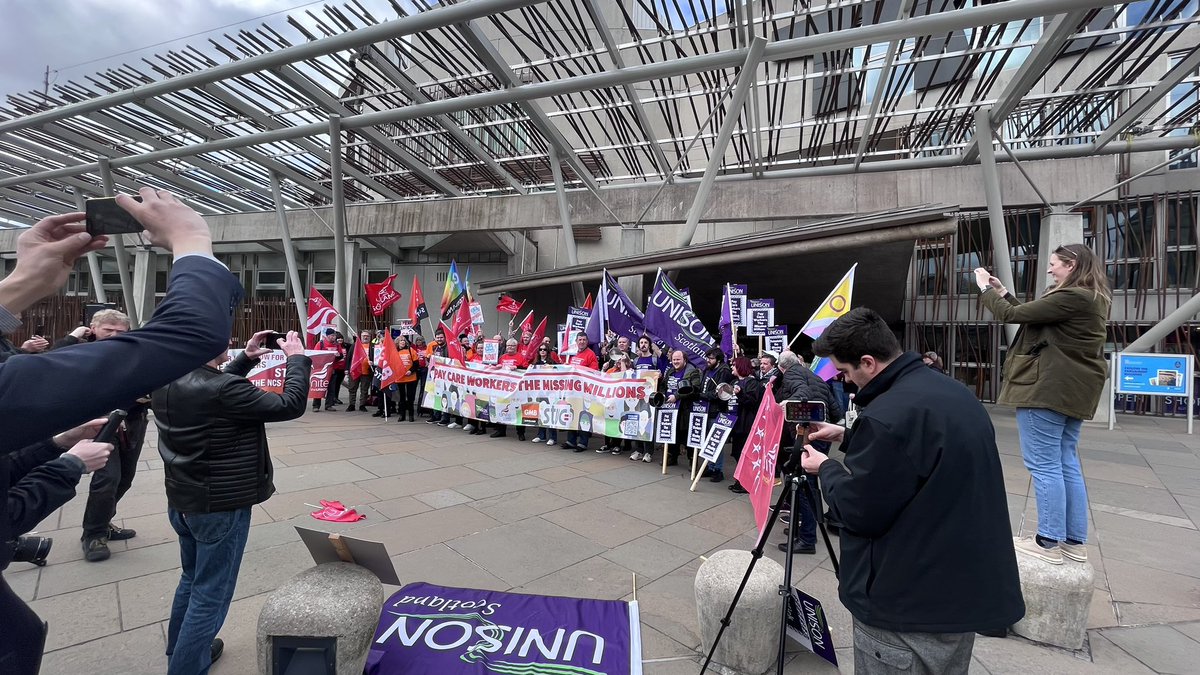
(268, 277)
(1130, 244)
(973, 250)
(1181, 113)
(1181, 243)
(323, 277)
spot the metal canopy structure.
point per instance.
(472, 99)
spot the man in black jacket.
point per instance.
(213, 441)
(681, 385)
(716, 373)
(927, 555)
(799, 383)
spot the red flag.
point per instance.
(360, 363)
(416, 304)
(321, 314)
(462, 320)
(529, 351)
(509, 305)
(391, 368)
(454, 350)
(527, 322)
(380, 296)
(587, 302)
(756, 469)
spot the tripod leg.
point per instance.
(812, 500)
(785, 591)
(754, 556)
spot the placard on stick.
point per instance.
(327, 547)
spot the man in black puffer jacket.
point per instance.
(927, 552)
(213, 441)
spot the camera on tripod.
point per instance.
(31, 550)
(803, 412)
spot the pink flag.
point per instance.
(756, 469)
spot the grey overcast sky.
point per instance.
(65, 33)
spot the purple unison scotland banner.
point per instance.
(669, 316)
(441, 630)
(615, 311)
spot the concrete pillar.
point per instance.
(354, 284)
(633, 243)
(1058, 228)
(145, 272)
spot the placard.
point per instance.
(760, 315)
(697, 419)
(491, 351)
(776, 339)
(737, 304)
(664, 425)
(808, 625)
(717, 435)
(476, 313)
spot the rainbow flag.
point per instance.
(836, 304)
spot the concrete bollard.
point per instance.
(338, 602)
(751, 642)
(1057, 600)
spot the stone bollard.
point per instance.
(338, 601)
(1057, 600)
(751, 642)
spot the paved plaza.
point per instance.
(500, 514)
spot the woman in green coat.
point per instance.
(1054, 376)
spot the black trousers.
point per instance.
(407, 397)
(335, 388)
(114, 479)
(23, 637)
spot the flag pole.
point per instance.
(699, 474)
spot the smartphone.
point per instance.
(271, 340)
(803, 412)
(40, 330)
(104, 216)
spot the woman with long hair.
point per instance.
(1054, 376)
(545, 357)
(407, 385)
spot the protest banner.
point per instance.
(760, 315)
(268, 374)
(569, 398)
(776, 339)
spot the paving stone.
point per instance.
(514, 506)
(1136, 583)
(556, 474)
(1141, 498)
(400, 507)
(423, 481)
(661, 505)
(320, 456)
(424, 529)
(439, 564)
(139, 651)
(650, 558)
(395, 464)
(1141, 614)
(440, 499)
(498, 486)
(600, 523)
(690, 537)
(592, 578)
(510, 466)
(521, 552)
(1162, 648)
(468, 454)
(1161, 547)
(297, 478)
(79, 574)
(1191, 630)
(656, 645)
(266, 569)
(79, 616)
(23, 578)
(288, 505)
(628, 476)
(147, 599)
(581, 489)
(730, 517)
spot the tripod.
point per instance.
(795, 481)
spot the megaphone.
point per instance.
(656, 399)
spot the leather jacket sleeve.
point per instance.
(240, 365)
(241, 400)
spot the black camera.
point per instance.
(803, 412)
(31, 550)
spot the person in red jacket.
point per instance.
(330, 343)
(583, 357)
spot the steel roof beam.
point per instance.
(197, 126)
(614, 52)
(385, 145)
(1133, 113)
(885, 74)
(783, 50)
(490, 57)
(407, 25)
(1032, 70)
(406, 84)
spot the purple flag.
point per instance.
(440, 629)
(726, 323)
(615, 311)
(670, 317)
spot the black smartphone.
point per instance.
(40, 330)
(105, 216)
(271, 341)
(803, 412)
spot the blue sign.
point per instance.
(1155, 374)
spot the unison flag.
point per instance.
(669, 316)
(836, 304)
(614, 311)
(380, 296)
(725, 325)
(756, 469)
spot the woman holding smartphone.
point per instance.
(1054, 376)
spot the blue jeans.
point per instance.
(210, 547)
(1048, 443)
(545, 433)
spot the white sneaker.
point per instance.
(646, 458)
(602, 449)
(452, 425)
(635, 456)
(1029, 546)
(1076, 552)
(469, 428)
(550, 441)
(537, 440)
